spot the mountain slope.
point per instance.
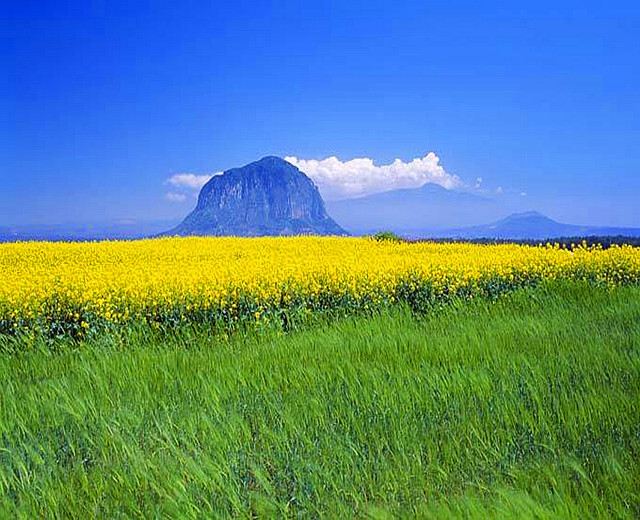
(266, 197)
(413, 211)
(533, 225)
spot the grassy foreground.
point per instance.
(528, 407)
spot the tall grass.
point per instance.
(527, 407)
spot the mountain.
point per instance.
(266, 197)
(123, 229)
(535, 226)
(414, 211)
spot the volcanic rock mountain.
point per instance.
(266, 197)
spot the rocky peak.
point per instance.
(266, 197)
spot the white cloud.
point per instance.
(172, 196)
(190, 180)
(186, 185)
(337, 179)
(478, 183)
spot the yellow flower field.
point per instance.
(78, 285)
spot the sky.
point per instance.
(120, 110)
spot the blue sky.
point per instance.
(105, 101)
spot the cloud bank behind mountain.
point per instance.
(358, 177)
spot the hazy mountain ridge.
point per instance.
(533, 225)
(74, 232)
(432, 211)
(430, 208)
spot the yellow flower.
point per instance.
(115, 281)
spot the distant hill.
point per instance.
(535, 226)
(266, 197)
(116, 230)
(414, 211)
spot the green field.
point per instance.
(528, 407)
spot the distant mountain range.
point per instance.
(273, 197)
(535, 226)
(414, 211)
(119, 230)
(267, 197)
(432, 211)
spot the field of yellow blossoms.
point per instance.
(72, 288)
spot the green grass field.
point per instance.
(528, 407)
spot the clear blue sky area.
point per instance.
(101, 102)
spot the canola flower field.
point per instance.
(75, 288)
